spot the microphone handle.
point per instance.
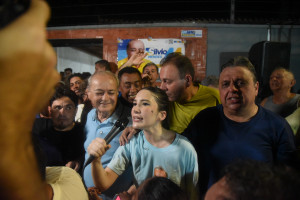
(108, 138)
(88, 161)
(114, 131)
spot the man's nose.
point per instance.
(233, 87)
(163, 86)
(133, 88)
(62, 111)
(273, 78)
(105, 96)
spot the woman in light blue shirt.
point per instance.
(153, 147)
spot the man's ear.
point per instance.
(49, 110)
(188, 80)
(256, 86)
(293, 82)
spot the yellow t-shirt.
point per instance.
(140, 68)
(181, 114)
(66, 184)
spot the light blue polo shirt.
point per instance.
(93, 129)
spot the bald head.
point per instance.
(135, 46)
(103, 75)
(281, 79)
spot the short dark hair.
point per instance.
(150, 64)
(249, 179)
(160, 188)
(75, 75)
(241, 61)
(181, 62)
(63, 92)
(68, 69)
(162, 101)
(128, 70)
(85, 75)
(104, 63)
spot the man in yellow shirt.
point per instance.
(135, 56)
(187, 98)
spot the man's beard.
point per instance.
(61, 125)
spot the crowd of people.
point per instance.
(184, 140)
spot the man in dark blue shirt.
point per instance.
(239, 128)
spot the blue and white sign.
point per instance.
(155, 48)
(191, 33)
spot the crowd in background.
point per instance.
(181, 139)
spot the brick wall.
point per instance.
(195, 48)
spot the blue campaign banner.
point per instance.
(156, 49)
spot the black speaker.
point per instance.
(266, 56)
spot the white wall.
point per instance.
(79, 61)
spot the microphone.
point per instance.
(116, 129)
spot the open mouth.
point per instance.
(131, 96)
(136, 119)
(234, 99)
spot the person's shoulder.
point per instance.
(262, 103)
(267, 114)
(207, 117)
(297, 97)
(138, 136)
(185, 142)
(78, 127)
(183, 139)
(42, 120)
(147, 61)
(209, 90)
(121, 62)
(134, 143)
(42, 124)
(91, 113)
(60, 178)
(90, 119)
(58, 171)
(210, 112)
